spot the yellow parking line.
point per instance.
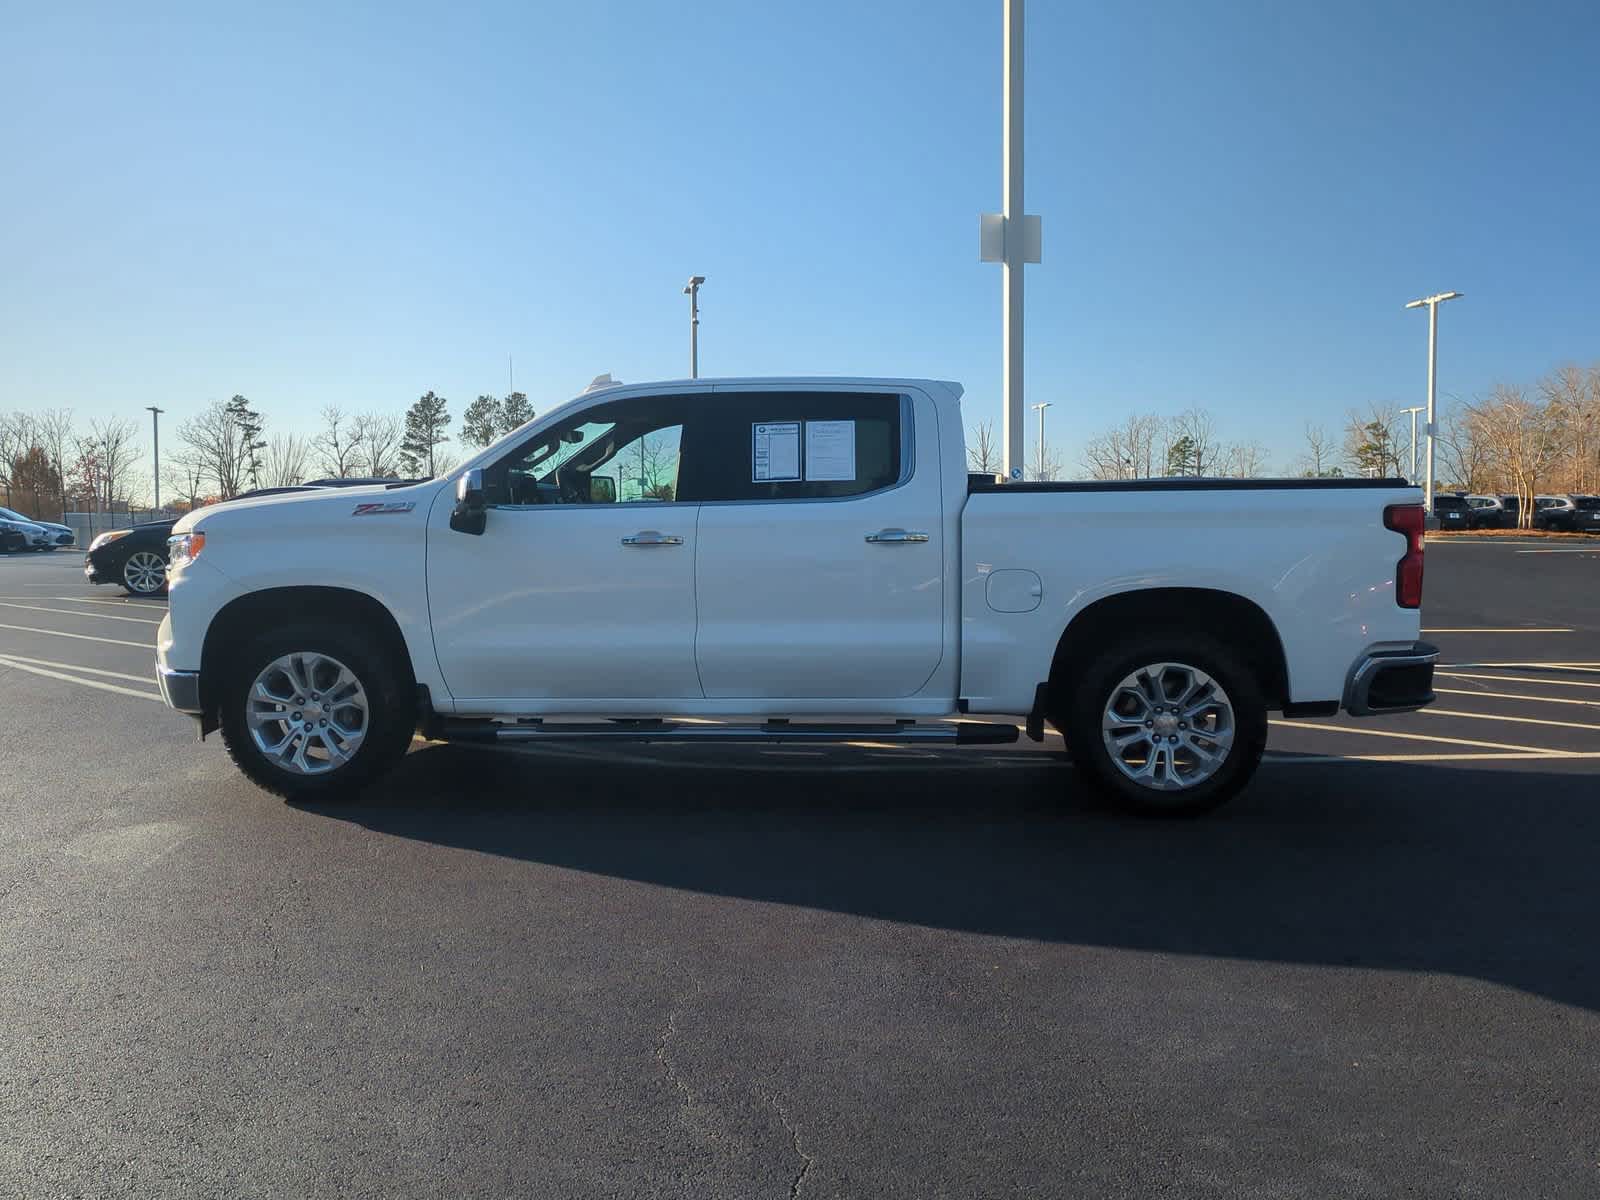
(1446, 712)
(1517, 679)
(87, 616)
(1417, 737)
(1515, 696)
(82, 637)
(88, 683)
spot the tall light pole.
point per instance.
(1412, 477)
(692, 290)
(1433, 303)
(155, 446)
(1010, 238)
(1039, 408)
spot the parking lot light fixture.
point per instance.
(1412, 476)
(155, 447)
(1432, 303)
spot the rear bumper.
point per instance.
(1391, 681)
(180, 689)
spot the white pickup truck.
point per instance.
(791, 559)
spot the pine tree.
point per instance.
(515, 411)
(426, 421)
(247, 425)
(483, 421)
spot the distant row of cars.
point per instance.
(136, 558)
(18, 532)
(1563, 514)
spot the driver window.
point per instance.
(626, 452)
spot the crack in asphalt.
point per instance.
(806, 1160)
(671, 1031)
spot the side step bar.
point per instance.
(958, 733)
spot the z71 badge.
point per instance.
(380, 508)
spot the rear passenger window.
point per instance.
(792, 446)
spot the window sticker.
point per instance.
(831, 450)
(775, 451)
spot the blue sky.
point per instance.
(313, 204)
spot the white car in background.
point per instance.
(55, 535)
(36, 537)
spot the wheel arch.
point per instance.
(258, 610)
(1227, 617)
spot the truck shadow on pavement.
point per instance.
(1491, 874)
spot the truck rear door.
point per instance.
(820, 558)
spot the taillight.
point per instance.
(1407, 519)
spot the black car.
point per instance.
(134, 558)
(1453, 512)
(1567, 514)
(1511, 517)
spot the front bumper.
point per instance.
(1391, 681)
(180, 689)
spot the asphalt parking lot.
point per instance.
(853, 972)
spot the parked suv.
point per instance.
(1452, 512)
(1485, 512)
(1568, 514)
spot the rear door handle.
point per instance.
(897, 536)
(652, 537)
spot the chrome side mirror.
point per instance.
(470, 515)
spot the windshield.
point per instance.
(1587, 503)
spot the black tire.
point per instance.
(1090, 691)
(389, 722)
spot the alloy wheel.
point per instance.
(307, 713)
(1168, 726)
(144, 572)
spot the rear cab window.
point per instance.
(775, 446)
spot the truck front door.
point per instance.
(580, 591)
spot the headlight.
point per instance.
(105, 539)
(183, 550)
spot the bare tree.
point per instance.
(54, 430)
(1043, 463)
(16, 439)
(379, 436)
(223, 445)
(106, 455)
(184, 474)
(286, 458)
(1462, 454)
(1371, 441)
(1127, 451)
(1523, 439)
(338, 446)
(1244, 460)
(1573, 397)
(983, 452)
(1318, 460)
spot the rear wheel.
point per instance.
(144, 573)
(315, 713)
(1167, 725)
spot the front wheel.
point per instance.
(315, 713)
(144, 573)
(1167, 725)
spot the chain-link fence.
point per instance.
(86, 526)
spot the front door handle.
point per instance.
(897, 536)
(652, 537)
